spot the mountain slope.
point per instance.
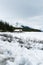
(26, 28)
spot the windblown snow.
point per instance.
(22, 48)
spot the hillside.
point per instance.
(26, 28)
(4, 27)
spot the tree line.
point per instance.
(4, 26)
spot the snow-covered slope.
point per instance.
(24, 48)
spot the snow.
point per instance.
(21, 48)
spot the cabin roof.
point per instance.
(18, 28)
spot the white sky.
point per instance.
(28, 12)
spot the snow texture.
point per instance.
(22, 48)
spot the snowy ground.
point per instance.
(24, 48)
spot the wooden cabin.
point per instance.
(18, 29)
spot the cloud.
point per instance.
(35, 22)
(22, 8)
(29, 12)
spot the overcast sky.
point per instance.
(28, 12)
